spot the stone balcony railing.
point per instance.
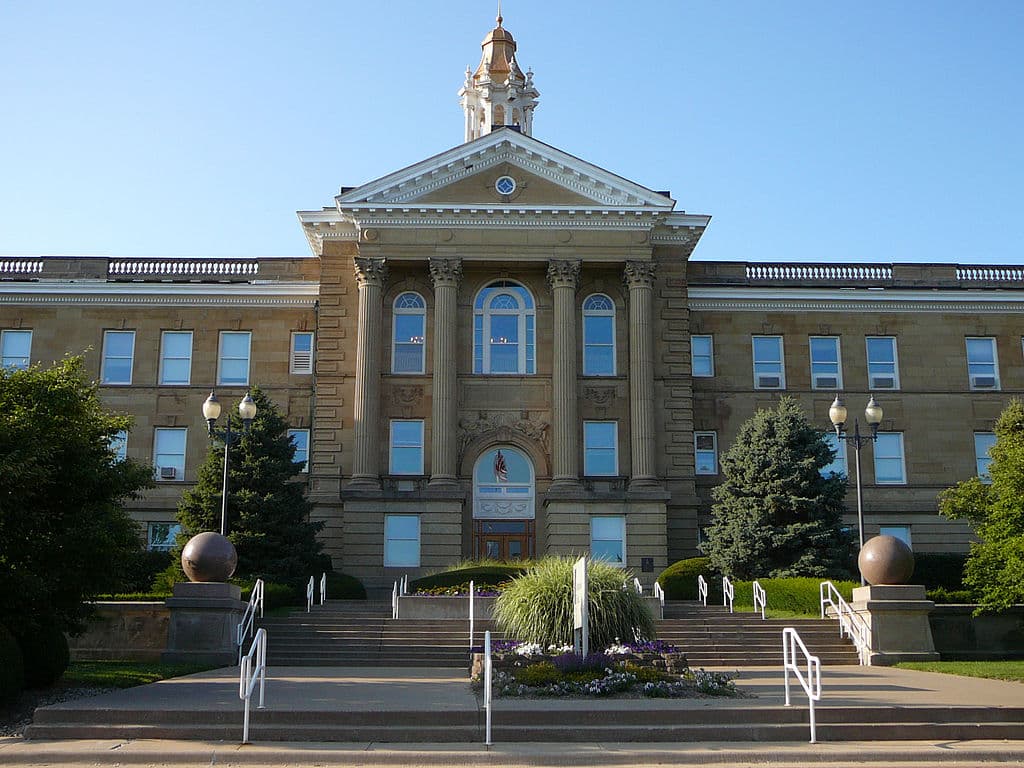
(797, 275)
(183, 270)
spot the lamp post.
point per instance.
(873, 417)
(211, 412)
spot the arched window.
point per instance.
(503, 330)
(409, 316)
(503, 484)
(598, 336)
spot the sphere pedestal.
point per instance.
(204, 623)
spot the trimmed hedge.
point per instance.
(45, 651)
(12, 667)
(480, 575)
(679, 580)
(801, 596)
(341, 586)
(940, 570)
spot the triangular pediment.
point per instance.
(466, 175)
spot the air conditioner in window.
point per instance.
(168, 473)
(769, 382)
(983, 382)
(826, 382)
(883, 382)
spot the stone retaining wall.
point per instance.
(959, 634)
(133, 631)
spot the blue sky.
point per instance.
(818, 132)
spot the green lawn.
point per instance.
(995, 670)
(125, 674)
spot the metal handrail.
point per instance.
(246, 625)
(851, 623)
(394, 601)
(310, 590)
(638, 586)
(248, 676)
(811, 683)
(472, 617)
(323, 588)
(728, 592)
(760, 598)
(702, 590)
(659, 593)
(487, 687)
(405, 584)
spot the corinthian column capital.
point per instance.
(563, 273)
(639, 274)
(446, 272)
(370, 271)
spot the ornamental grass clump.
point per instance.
(536, 607)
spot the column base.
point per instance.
(364, 484)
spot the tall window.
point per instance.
(838, 465)
(503, 330)
(401, 541)
(176, 357)
(598, 336)
(407, 447)
(901, 532)
(600, 448)
(883, 366)
(408, 340)
(300, 439)
(890, 468)
(983, 442)
(161, 536)
(826, 370)
(301, 353)
(233, 365)
(982, 363)
(119, 445)
(169, 453)
(608, 539)
(702, 356)
(118, 351)
(769, 371)
(15, 349)
(503, 484)
(705, 452)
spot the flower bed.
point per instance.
(652, 668)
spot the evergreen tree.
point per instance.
(268, 512)
(995, 566)
(64, 533)
(775, 515)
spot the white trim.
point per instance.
(163, 359)
(972, 379)
(872, 381)
(421, 313)
(220, 359)
(902, 457)
(622, 519)
(714, 441)
(711, 341)
(419, 543)
(4, 335)
(301, 363)
(421, 447)
(838, 384)
(990, 438)
(184, 453)
(600, 313)
(131, 359)
(291, 433)
(587, 449)
(781, 361)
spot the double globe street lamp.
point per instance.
(211, 412)
(873, 416)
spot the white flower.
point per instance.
(618, 650)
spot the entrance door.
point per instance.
(504, 539)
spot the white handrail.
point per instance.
(728, 592)
(394, 601)
(760, 597)
(851, 623)
(249, 676)
(309, 593)
(487, 687)
(659, 593)
(405, 584)
(637, 585)
(811, 683)
(323, 588)
(472, 595)
(247, 624)
(702, 590)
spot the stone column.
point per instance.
(446, 274)
(639, 277)
(563, 276)
(371, 274)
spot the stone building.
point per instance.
(506, 351)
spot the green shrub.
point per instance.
(939, 569)
(341, 586)
(12, 667)
(541, 673)
(801, 596)
(648, 674)
(45, 651)
(941, 595)
(679, 580)
(537, 606)
(142, 568)
(488, 574)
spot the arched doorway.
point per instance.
(503, 505)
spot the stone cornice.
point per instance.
(846, 300)
(296, 294)
(503, 217)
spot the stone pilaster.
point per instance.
(446, 274)
(639, 278)
(563, 277)
(371, 275)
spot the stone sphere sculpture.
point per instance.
(886, 560)
(209, 557)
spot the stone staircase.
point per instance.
(712, 637)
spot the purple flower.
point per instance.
(652, 646)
